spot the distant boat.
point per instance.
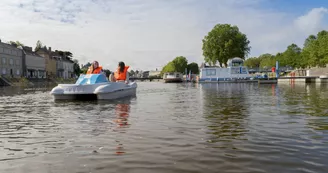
(173, 77)
(235, 72)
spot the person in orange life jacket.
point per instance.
(95, 68)
(121, 74)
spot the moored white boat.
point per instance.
(235, 72)
(93, 86)
(173, 77)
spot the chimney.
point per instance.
(0, 40)
(49, 49)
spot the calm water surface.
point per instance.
(168, 128)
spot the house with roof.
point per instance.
(11, 60)
(50, 61)
(35, 64)
(65, 66)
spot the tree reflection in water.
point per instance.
(307, 99)
(225, 108)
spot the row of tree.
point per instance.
(180, 64)
(313, 54)
(225, 41)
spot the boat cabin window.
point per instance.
(238, 70)
(210, 72)
(237, 64)
(177, 75)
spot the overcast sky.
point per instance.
(146, 34)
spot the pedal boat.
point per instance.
(93, 86)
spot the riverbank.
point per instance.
(31, 82)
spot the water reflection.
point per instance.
(225, 107)
(168, 128)
(305, 99)
(122, 113)
(12, 91)
(98, 119)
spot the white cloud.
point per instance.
(312, 21)
(146, 34)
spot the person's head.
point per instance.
(95, 64)
(121, 66)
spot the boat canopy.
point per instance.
(235, 62)
(91, 79)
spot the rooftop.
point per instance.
(9, 46)
(29, 51)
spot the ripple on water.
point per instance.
(168, 128)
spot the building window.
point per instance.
(210, 72)
(18, 72)
(11, 62)
(3, 60)
(4, 71)
(17, 62)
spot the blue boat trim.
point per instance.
(91, 79)
(223, 79)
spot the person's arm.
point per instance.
(127, 78)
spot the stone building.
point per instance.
(50, 61)
(65, 66)
(35, 64)
(11, 60)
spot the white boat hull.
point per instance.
(173, 80)
(118, 94)
(100, 91)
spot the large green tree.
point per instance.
(193, 67)
(223, 42)
(267, 60)
(253, 62)
(315, 52)
(290, 57)
(179, 64)
(169, 67)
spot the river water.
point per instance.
(168, 128)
